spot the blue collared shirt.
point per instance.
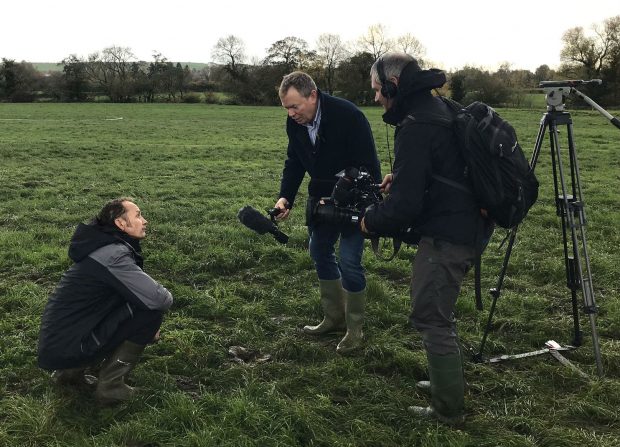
(313, 126)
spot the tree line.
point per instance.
(115, 74)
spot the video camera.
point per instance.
(353, 193)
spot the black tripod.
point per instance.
(569, 207)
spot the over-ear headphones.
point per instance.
(388, 88)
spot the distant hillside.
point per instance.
(194, 65)
(47, 66)
(53, 66)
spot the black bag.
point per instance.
(498, 172)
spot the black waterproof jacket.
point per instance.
(95, 295)
(344, 140)
(423, 148)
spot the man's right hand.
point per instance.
(386, 183)
(283, 204)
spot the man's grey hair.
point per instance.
(393, 64)
(302, 82)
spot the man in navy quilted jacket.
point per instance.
(326, 135)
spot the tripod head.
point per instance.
(556, 93)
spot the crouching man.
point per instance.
(105, 306)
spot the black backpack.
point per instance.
(499, 175)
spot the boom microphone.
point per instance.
(255, 221)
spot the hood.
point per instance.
(413, 83)
(90, 237)
(413, 80)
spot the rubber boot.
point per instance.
(355, 304)
(423, 386)
(333, 308)
(447, 389)
(74, 377)
(111, 387)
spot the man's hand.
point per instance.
(386, 183)
(283, 205)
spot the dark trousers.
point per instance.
(438, 271)
(139, 329)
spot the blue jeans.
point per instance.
(323, 238)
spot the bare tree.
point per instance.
(595, 51)
(112, 70)
(229, 51)
(330, 51)
(375, 41)
(408, 43)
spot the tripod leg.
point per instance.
(583, 271)
(571, 210)
(573, 284)
(563, 201)
(495, 293)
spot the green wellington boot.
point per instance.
(355, 304)
(73, 377)
(333, 308)
(423, 386)
(447, 387)
(111, 387)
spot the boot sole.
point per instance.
(324, 332)
(429, 412)
(345, 351)
(110, 401)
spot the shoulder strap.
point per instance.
(452, 104)
(374, 243)
(427, 118)
(477, 280)
(453, 183)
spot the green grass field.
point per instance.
(190, 168)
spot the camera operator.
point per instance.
(446, 218)
(105, 306)
(326, 135)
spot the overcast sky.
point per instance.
(483, 33)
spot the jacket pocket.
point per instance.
(103, 332)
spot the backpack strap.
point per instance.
(427, 118)
(396, 244)
(452, 104)
(453, 183)
(477, 268)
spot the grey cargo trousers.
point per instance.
(438, 271)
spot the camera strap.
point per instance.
(396, 244)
